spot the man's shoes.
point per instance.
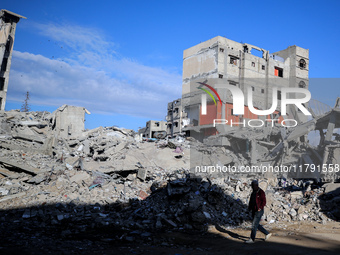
(249, 241)
(268, 236)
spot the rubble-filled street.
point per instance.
(136, 128)
(108, 187)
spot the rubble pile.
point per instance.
(177, 201)
(296, 201)
(36, 159)
(111, 177)
(289, 199)
(185, 203)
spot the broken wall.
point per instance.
(69, 121)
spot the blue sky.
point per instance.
(122, 60)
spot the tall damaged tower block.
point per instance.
(219, 62)
(8, 22)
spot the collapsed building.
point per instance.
(8, 21)
(106, 165)
(175, 120)
(154, 129)
(109, 177)
(275, 147)
(69, 121)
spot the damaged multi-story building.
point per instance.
(176, 118)
(8, 21)
(221, 61)
(172, 127)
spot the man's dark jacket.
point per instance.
(257, 201)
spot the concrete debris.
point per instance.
(150, 188)
(35, 142)
(181, 201)
(22, 167)
(142, 174)
(277, 146)
(96, 165)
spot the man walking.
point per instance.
(257, 203)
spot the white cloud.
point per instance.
(78, 38)
(92, 78)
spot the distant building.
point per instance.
(154, 129)
(221, 61)
(176, 118)
(8, 22)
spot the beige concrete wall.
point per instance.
(204, 62)
(200, 47)
(69, 121)
(154, 126)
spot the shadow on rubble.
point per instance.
(185, 205)
(310, 192)
(330, 202)
(176, 217)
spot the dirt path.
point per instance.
(297, 238)
(293, 238)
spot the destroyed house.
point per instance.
(154, 129)
(69, 121)
(221, 61)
